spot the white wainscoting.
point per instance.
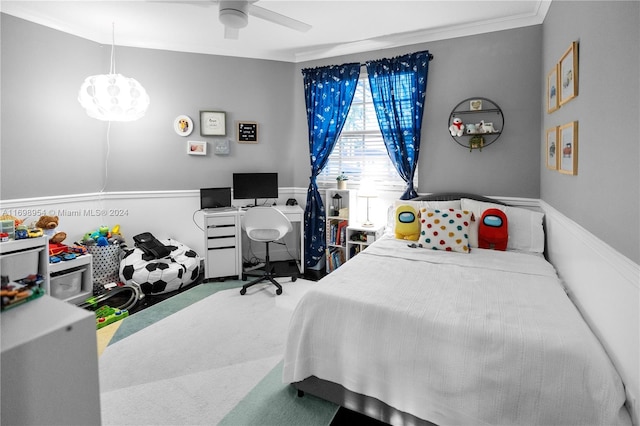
(166, 214)
(605, 286)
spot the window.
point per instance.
(360, 151)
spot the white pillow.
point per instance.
(446, 229)
(525, 226)
(391, 213)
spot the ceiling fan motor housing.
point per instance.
(234, 13)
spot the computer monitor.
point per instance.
(214, 198)
(255, 185)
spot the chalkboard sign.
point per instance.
(247, 132)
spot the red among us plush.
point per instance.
(493, 231)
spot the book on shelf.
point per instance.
(341, 233)
(335, 258)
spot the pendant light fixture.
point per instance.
(113, 97)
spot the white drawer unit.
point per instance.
(223, 257)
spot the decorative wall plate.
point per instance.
(183, 125)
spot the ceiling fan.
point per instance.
(234, 15)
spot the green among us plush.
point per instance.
(407, 223)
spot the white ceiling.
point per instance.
(338, 27)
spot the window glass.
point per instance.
(360, 151)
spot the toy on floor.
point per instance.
(129, 296)
(106, 315)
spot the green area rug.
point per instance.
(155, 313)
(207, 356)
(275, 403)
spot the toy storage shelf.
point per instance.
(20, 258)
(64, 273)
(489, 112)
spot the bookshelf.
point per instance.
(340, 205)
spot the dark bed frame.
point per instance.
(364, 404)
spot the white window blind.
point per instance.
(360, 151)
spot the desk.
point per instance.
(223, 240)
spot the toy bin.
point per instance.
(8, 226)
(66, 284)
(19, 264)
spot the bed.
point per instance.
(410, 335)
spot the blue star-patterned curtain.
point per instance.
(398, 88)
(328, 93)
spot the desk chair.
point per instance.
(266, 225)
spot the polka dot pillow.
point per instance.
(445, 229)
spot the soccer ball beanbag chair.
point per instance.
(157, 276)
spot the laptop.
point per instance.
(215, 198)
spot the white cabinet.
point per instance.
(49, 365)
(222, 243)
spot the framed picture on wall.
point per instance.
(183, 125)
(212, 123)
(552, 148)
(247, 132)
(552, 89)
(196, 147)
(569, 74)
(568, 148)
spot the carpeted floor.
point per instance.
(217, 362)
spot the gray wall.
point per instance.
(503, 66)
(45, 127)
(148, 155)
(45, 132)
(605, 195)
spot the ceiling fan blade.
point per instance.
(277, 18)
(202, 3)
(231, 33)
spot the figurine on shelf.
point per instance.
(457, 127)
(472, 129)
(487, 127)
(476, 142)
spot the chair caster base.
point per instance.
(243, 291)
(278, 291)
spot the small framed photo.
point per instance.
(247, 132)
(568, 149)
(212, 123)
(552, 148)
(183, 125)
(196, 147)
(569, 74)
(475, 105)
(552, 89)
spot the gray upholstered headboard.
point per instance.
(447, 196)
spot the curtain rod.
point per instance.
(430, 59)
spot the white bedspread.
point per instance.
(481, 338)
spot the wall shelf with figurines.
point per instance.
(476, 123)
